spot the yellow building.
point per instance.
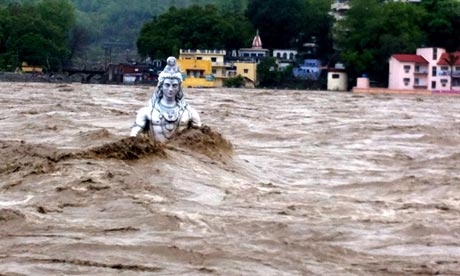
(26, 68)
(196, 73)
(207, 68)
(216, 57)
(248, 70)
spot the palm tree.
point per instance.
(451, 60)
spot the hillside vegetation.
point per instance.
(87, 33)
(113, 24)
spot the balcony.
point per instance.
(222, 64)
(455, 73)
(421, 72)
(220, 76)
(420, 85)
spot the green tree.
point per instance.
(372, 31)
(232, 6)
(5, 57)
(316, 28)
(195, 27)
(442, 22)
(80, 38)
(36, 33)
(278, 21)
(237, 82)
(59, 13)
(267, 73)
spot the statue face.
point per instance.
(170, 88)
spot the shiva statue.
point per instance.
(167, 112)
(170, 68)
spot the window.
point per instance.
(246, 71)
(417, 68)
(445, 68)
(199, 58)
(435, 53)
(214, 71)
(213, 59)
(444, 82)
(335, 76)
(406, 68)
(455, 82)
(433, 85)
(416, 81)
(406, 81)
(433, 71)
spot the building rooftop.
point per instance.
(444, 56)
(410, 58)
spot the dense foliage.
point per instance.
(279, 21)
(195, 27)
(281, 24)
(36, 33)
(292, 23)
(110, 21)
(372, 31)
(442, 23)
(270, 75)
(53, 32)
(236, 82)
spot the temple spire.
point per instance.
(257, 42)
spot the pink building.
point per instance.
(427, 69)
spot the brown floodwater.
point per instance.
(278, 182)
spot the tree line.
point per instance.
(52, 33)
(373, 31)
(91, 26)
(36, 33)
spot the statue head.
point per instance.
(170, 85)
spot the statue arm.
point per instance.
(194, 117)
(141, 121)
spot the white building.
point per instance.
(426, 70)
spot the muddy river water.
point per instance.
(278, 182)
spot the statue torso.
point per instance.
(167, 120)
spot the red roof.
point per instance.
(444, 56)
(409, 58)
